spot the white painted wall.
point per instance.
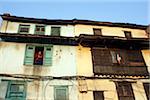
(13, 27)
(44, 90)
(63, 64)
(12, 61)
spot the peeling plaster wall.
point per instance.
(63, 64)
(39, 90)
(85, 67)
(109, 31)
(13, 27)
(99, 85)
(12, 61)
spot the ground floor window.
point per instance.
(61, 93)
(16, 90)
(125, 91)
(98, 95)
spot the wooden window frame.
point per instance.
(22, 26)
(40, 32)
(61, 87)
(47, 60)
(97, 29)
(128, 34)
(147, 90)
(53, 34)
(15, 93)
(124, 90)
(101, 95)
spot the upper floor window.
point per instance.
(97, 31)
(128, 34)
(24, 28)
(16, 90)
(61, 93)
(108, 57)
(125, 91)
(39, 29)
(38, 55)
(55, 31)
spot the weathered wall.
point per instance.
(99, 85)
(13, 27)
(84, 61)
(85, 68)
(12, 61)
(109, 31)
(43, 90)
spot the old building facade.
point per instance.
(42, 59)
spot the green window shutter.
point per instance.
(61, 93)
(48, 55)
(29, 55)
(55, 31)
(16, 90)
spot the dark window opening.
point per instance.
(98, 95)
(24, 28)
(125, 91)
(147, 90)
(38, 56)
(97, 31)
(55, 31)
(135, 58)
(40, 30)
(128, 34)
(118, 57)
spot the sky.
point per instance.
(124, 11)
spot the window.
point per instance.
(128, 34)
(117, 62)
(97, 31)
(16, 90)
(135, 58)
(61, 93)
(124, 90)
(24, 28)
(118, 57)
(55, 31)
(39, 30)
(98, 95)
(147, 90)
(38, 55)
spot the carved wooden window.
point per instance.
(135, 58)
(98, 95)
(101, 56)
(97, 31)
(124, 91)
(108, 57)
(147, 90)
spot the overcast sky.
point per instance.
(126, 11)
